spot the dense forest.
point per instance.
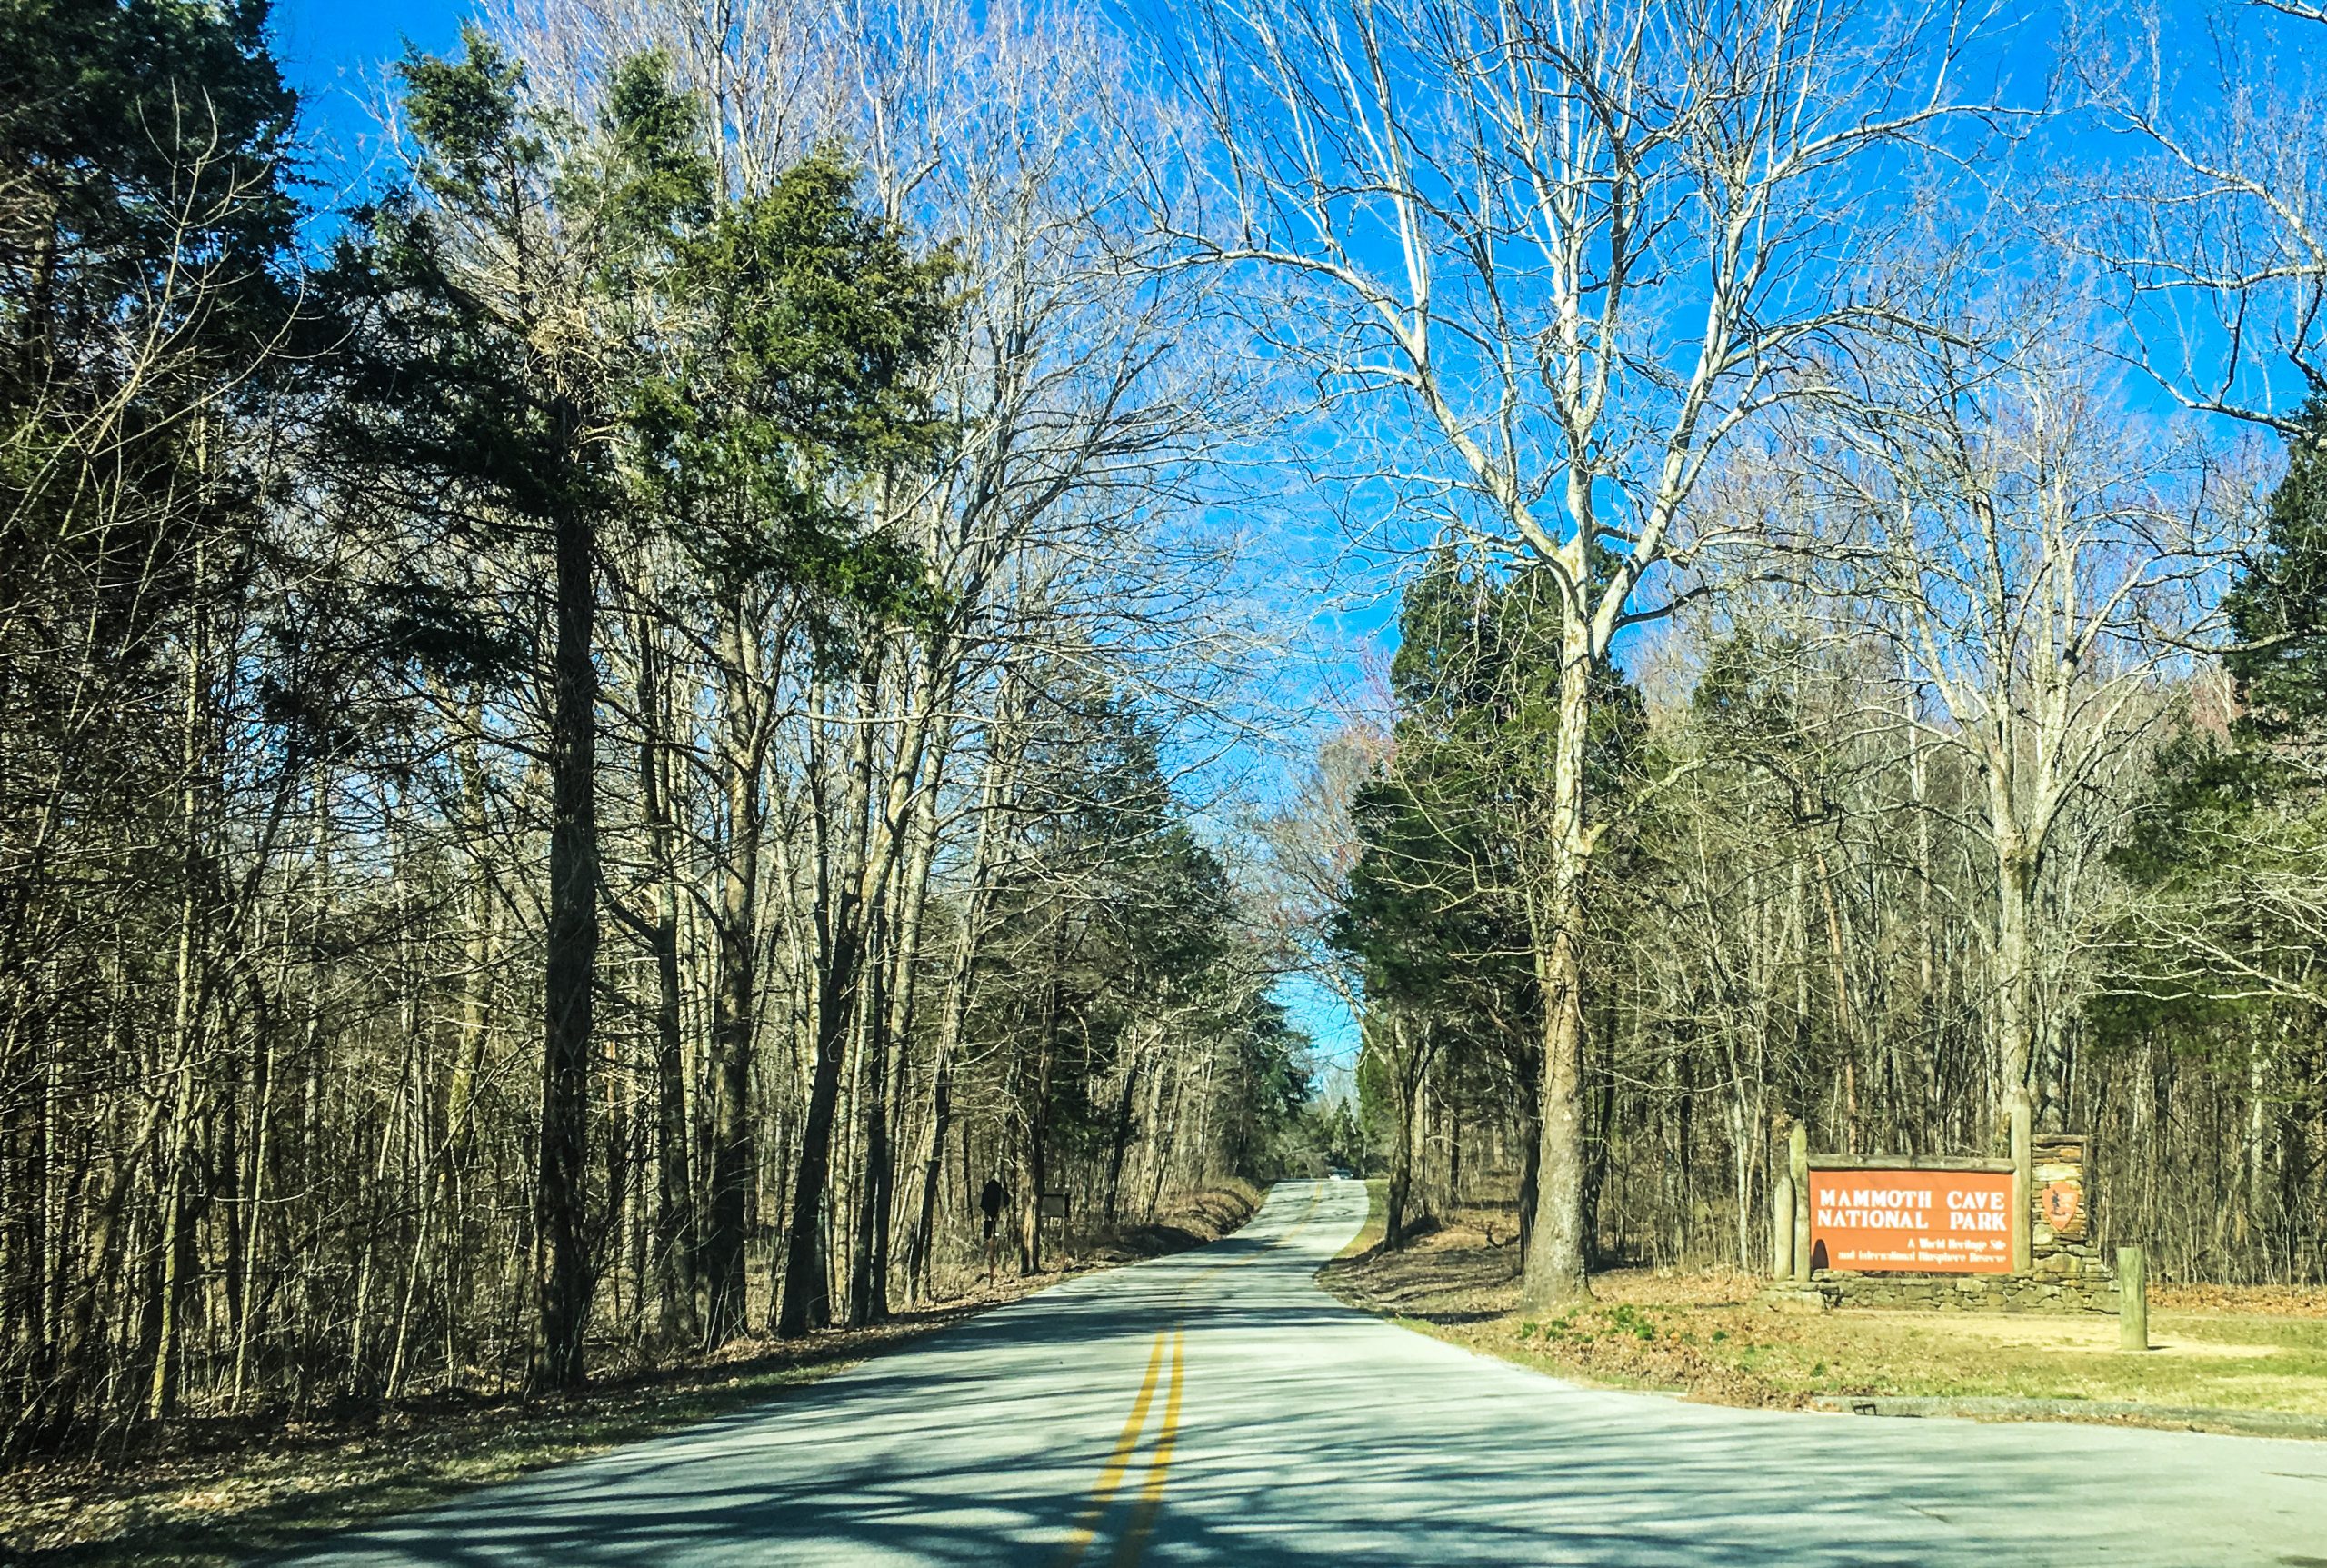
(1860, 661)
(1808, 922)
(594, 743)
(602, 734)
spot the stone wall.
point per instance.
(2089, 1289)
(2060, 1205)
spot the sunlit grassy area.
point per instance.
(1703, 1333)
(1369, 1235)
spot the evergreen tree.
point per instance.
(2231, 809)
(2278, 608)
(549, 323)
(1444, 908)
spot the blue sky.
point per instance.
(335, 56)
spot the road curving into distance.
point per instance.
(1217, 1407)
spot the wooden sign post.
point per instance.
(2133, 1300)
(1797, 1160)
(2023, 1250)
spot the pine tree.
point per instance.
(2278, 608)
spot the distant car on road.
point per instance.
(1340, 1173)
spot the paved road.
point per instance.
(1218, 1408)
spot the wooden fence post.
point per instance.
(2023, 1249)
(2132, 1299)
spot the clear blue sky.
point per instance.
(335, 53)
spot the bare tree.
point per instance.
(1083, 388)
(2214, 224)
(2038, 567)
(1557, 254)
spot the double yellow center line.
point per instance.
(1133, 1542)
(1133, 1539)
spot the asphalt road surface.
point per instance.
(1217, 1407)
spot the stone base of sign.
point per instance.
(2075, 1285)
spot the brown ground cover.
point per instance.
(1703, 1333)
(218, 1492)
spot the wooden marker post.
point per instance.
(1781, 1229)
(2023, 1246)
(1797, 1159)
(2133, 1300)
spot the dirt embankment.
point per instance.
(1188, 1221)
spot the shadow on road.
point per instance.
(1311, 1436)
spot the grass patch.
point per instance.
(2216, 1347)
(1369, 1234)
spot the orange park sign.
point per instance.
(1910, 1221)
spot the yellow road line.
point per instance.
(1134, 1541)
(1102, 1490)
(1159, 1467)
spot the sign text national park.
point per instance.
(1916, 1221)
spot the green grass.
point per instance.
(1369, 1234)
(2264, 1364)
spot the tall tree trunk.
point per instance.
(909, 905)
(563, 1283)
(841, 858)
(160, 1400)
(1409, 1063)
(868, 1263)
(1034, 1149)
(676, 1243)
(2015, 975)
(1531, 1156)
(806, 1300)
(962, 971)
(254, 1194)
(923, 1244)
(1554, 1273)
(1033, 1166)
(735, 998)
(1121, 1143)
(175, 1266)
